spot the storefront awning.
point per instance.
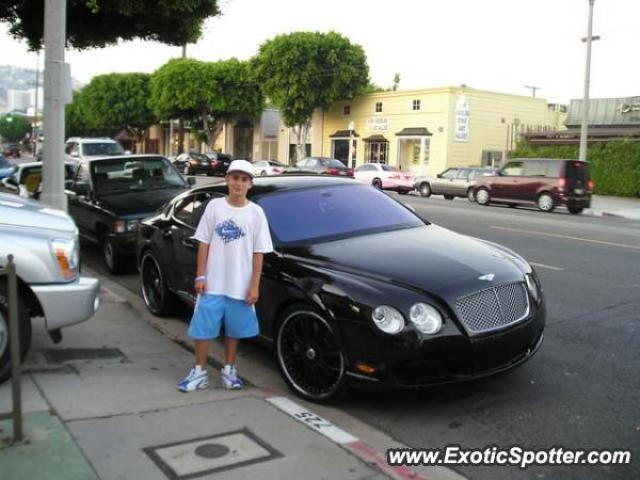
(343, 134)
(376, 138)
(414, 132)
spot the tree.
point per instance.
(396, 82)
(13, 128)
(97, 23)
(118, 101)
(206, 93)
(303, 71)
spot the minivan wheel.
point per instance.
(575, 210)
(424, 190)
(377, 183)
(471, 196)
(483, 197)
(24, 323)
(309, 356)
(545, 202)
(155, 292)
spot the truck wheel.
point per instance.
(113, 260)
(25, 331)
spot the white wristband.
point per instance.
(201, 277)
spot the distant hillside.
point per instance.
(18, 78)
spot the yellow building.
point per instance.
(426, 131)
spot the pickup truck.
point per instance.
(45, 246)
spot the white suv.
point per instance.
(79, 148)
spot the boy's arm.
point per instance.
(201, 269)
(254, 287)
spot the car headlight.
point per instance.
(122, 226)
(66, 253)
(426, 318)
(388, 319)
(532, 286)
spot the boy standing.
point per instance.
(234, 236)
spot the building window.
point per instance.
(347, 110)
(378, 107)
(416, 105)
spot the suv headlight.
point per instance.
(66, 253)
(426, 318)
(532, 286)
(388, 319)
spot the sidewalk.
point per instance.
(615, 207)
(103, 405)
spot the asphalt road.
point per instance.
(579, 392)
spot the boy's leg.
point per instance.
(230, 350)
(202, 348)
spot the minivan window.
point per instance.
(513, 169)
(554, 169)
(535, 168)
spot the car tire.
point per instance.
(545, 202)
(471, 196)
(155, 292)
(449, 197)
(25, 331)
(263, 173)
(483, 197)
(575, 210)
(309, 356)
(377, 183)
(424, 190)
(113, 260)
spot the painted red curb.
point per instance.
(372, 456)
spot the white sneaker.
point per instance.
(230, 379)
(197, 379)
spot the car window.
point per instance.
(462, 174)
(513, 169)
(190, 209)
(328, 213)
(553, 168)
(122, 175)
(450, 173)
(333, 162)
(260, 163)
(199, 156)
(106, 148)
(312, 162)
(535, 168)
(389, 168)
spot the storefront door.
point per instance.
(377, 152)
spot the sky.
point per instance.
(497, 45)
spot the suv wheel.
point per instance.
(483, 197)
(471, 196)
(156, 294)
(575, 210)
(545, 202)
(424, 189)
(25, 331)
(112, 259)
(309, 356)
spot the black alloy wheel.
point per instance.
(575, 210)
(156, 294)
(483, 197)
(377, 183)
(471, 196)
(24, 323)
(424, 190)
(308, 355)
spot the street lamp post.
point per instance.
(585, 99)
(351, 127)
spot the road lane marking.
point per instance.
(557, 235)
(542, 265)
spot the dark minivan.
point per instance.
(547, 183)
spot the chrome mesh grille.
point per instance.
(493, 308)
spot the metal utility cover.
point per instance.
(59, 355)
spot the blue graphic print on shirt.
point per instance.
(229, 231)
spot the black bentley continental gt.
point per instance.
(359, 286)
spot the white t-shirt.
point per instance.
(233, 234)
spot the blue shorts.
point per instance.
(212, 311)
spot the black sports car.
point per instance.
(360, 286)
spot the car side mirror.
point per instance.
(191, 181)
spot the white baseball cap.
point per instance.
(241, 166)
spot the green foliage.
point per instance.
(615, 165)
(97, 23)
(118, 101)
(302, 71)
(13, 128)
(75, 119)
(207, 93)
(372, 88)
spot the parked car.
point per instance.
(44, 243)
(11, 150)
(84, 148)
(6, 167)
(384, 177)
(325, 166)
(453, 182)
(192, 163)
(26, 180)
(547, 183)
(108, 196)
(270, 167)
(359, 286)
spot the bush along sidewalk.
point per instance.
(615, 165)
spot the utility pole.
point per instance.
(584, 127)
(34, 131)
(54, 100)
(533, 89)
(181, 120)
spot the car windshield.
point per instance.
(134, 174)
(389, 168)
(329, 213)
(106, 148)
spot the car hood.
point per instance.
(139, 203)
(429, 258)
(21, 212)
